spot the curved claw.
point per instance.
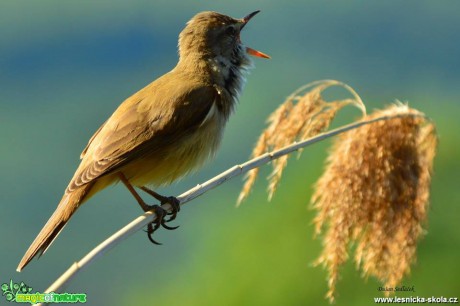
(149, 235)
(169, 228)
(173, 216)
(150, 230)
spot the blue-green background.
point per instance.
(66, 65)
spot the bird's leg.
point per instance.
(173, 201)
(145, 207)
(160, 212)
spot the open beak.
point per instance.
(251, 51)
(249, 16)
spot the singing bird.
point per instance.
(167, 129)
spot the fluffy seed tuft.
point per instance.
(374, 193)
(302, 115)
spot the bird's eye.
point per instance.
(230, 30)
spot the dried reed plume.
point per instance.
(374, 193)
(299, 117)
(375, 189)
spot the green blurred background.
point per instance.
(66, 65)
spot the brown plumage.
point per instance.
(167, 129)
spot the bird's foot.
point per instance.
(160, 220)
(175, 206)
(161, 213)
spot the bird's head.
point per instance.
(213, 35)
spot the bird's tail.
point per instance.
(66, 208)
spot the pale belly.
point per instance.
(184, 156)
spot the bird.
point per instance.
(166, 130)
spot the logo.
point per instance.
(21, 293)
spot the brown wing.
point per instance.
(155, 114)
(91, 140)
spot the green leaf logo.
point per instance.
(12, 289)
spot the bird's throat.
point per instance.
(230, 74)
